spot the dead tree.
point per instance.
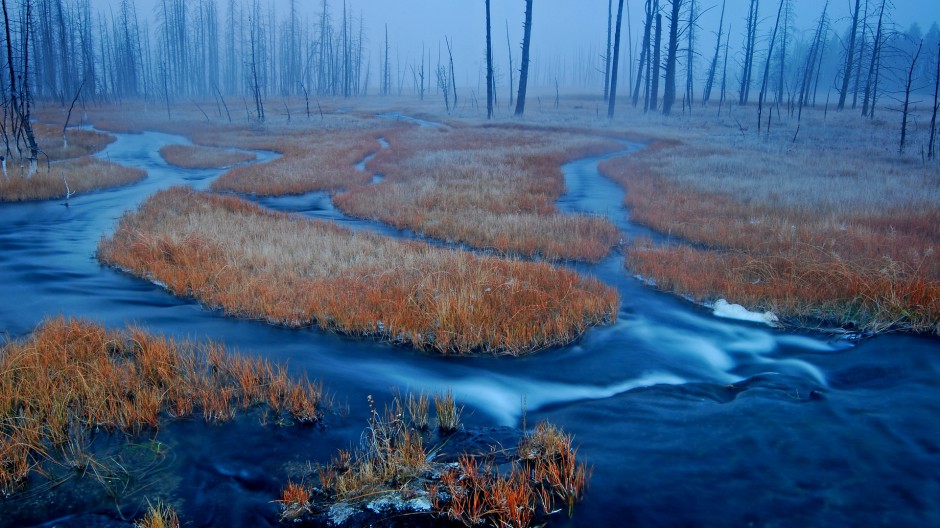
(868, 96)
(811, 58)
(713, 67)
(763, 86)
(453, 80)
(489, 65)
(907, 97)
(19, 96)
(749, 43)
(524, 67)
(607, 64)
(931, 149)
(644, 52)
(690, 56)
(613, 78)
(672, 50)
(861, 57)
(654, 77)
(849, 57)
(509, 47)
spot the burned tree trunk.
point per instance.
(669, 92)
(644, 53)
(907, 97)
(875, 52)
(850, 57)
(770, 53)
(607, 64)
(749, 42)
(706, 95)
(489, 65)
(931, 150)
(613, 79)
(524, 67)
(654, 78)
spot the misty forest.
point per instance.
(501, 263)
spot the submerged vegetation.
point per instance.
(71, 380)
(289, 270)
(396, 471)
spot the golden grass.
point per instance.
(159, 516)
(79, 175)
(488, 187)
(197, 157)
(393, 460)
(72, 378)
(289, 270)
(830, 230)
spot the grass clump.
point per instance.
(159, 516)
(73, 176)
(448, 412)
(198, 157)
(394, 466)
(72, 379)
(289, 270)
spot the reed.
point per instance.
(159, 516)
(198, 157)
(448, 412)
(232, 254)
(71, 379)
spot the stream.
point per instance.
(687, 418)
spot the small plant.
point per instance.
(159, 516)
(294, 501)
(448, 412)
(419, 410)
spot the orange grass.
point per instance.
(393, 461)
(289, 270)
(814, 236)
(79, 142)
(73, 378)
(489, 187)
(81, 174)
(196, 157)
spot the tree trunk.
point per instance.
(524, 67)
(644, 53)
(613, 78)
(907, 97)
(713, 68)
(875, 52)
(850, 57)
(654, 89)
(672, 49)
(770, 53)
(489, 65)
(931, 150)
(749, 42)
(610, 4)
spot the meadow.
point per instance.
(288, 270)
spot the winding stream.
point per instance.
(687, 418)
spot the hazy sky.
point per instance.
(560, 27)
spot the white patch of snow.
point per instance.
(723, 308)
(340, 512)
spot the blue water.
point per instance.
(688, 419)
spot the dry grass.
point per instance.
(159, 516)
(471, 491)
(488, 187)
(78, 176)
(196, 157)
(833, 229)
(232, 254)
(72, 378)
(78, 142)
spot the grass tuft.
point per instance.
(198, 157)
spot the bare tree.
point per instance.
(613, 79)
(749, 43)
(868, 96)
(931, 149)
(770, 53)
(489, 65)
(713, 67)
(644, 52)
(524, 68)
(907, 97)
(849, 57)
(672, 50)
(654, 77)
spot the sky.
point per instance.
(561, 28)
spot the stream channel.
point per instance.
(687, 418)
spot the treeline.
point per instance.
(185, 49)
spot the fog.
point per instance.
(565, 33)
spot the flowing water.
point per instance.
(688, 419)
